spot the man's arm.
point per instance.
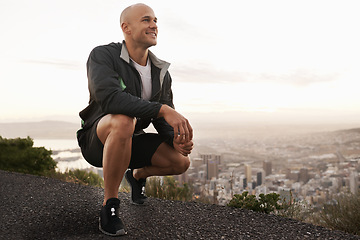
(172, 124)
(183, 131)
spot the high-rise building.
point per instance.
(294, 175)
(205, 157)
(288, 173)
(354, 182)
(267, 166)
(248, 172)
(212, 169)
(304, 175)
(244, 182)
(259, 178)
(217, 158)
(196, 163)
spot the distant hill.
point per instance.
(40, 130)
(203, 129)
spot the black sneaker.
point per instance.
(109, 221)
(137, 188)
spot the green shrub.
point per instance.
(19, 155)
(343, 214)
(294, 208)
(265, 203)
(86, 178)
(167, 189)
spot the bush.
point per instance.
(87, 178)
(79, 176)
(19, 155)
(265, 203)
(343, 214)
(167, 189)
(293, 208)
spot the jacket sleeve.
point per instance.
(162, 127)
(105, 88)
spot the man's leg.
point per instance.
(165, 161)
(115, 132)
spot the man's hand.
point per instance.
(183, 148)
(183, 132)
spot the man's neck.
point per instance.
(138, 54)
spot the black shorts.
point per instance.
(143, 147)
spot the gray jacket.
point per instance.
(115, 88)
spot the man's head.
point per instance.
(138, 23)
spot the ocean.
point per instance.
(66, 153)
(56, 144)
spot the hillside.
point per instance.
(35, 207)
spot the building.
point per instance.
(205, 157)
(248, 172)
(304, 175)
(267, 166)
(196, 163)
(354, 182)
(212, 169)
(244, 183)
(259, 178)
(217, 158)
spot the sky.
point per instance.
(282, 59)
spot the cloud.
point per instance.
(63, 64)
(300, 77)
(203, 73)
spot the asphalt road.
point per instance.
(35, 207)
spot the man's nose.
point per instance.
(153, 24)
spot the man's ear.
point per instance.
(125, 28)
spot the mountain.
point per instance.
(203, 129)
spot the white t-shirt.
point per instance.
(145, 74)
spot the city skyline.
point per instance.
(287, 61)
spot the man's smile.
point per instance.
(152, 34)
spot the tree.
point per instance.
(19, 155)
(265, 203)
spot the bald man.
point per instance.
(129, 89)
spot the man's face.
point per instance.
(142, 26)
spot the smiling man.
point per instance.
(129, 89)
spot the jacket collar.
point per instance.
(162, 65)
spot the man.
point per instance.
(129, 89)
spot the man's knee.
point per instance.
(121, 125)
(182, 165)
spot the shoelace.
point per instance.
(143, 188)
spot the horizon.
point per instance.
(219, 128)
